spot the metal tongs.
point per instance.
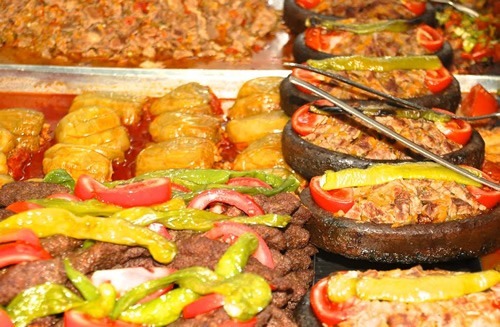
(393, 99)
(385, 130)
(469, 11)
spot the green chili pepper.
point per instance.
(162, 310)
(40, 301)
(236, 256)
(271, 220)
(396, 25)
(50, 221)
(80, 208)
(60, 176)
(201, 179)
(82, 283)
(198, 279)
(384, 173)
(429, 115)
(245, 295)
(377, 64)
(101, 306)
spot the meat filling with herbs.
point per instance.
(347, 135)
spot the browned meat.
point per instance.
(130, 33)
(21, 191)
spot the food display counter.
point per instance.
(186, 252)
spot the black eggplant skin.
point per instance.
(292, 98)
(301, 52)
(310, 160)
(295, 16)
(409, 244)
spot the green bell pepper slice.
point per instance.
(101, 306)
(377, 64)
(61, 177)
(50, 221)
(81, 208)
(236, 256)
(162, 310)
(82, 283)
(395, 25)
(384, 173)
(40, 301)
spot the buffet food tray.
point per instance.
(152, 82)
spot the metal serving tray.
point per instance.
(151, 82)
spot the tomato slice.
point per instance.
(248, 182)
(143, 193)
(23, 235)
(457, 130)
(416, 7)
(231, 197)
(332, 200)
(21, 206)
(5, 320)
(308, 76)
(17, 252)
(430, 38)
(438, 80)
(304, 122)
(307, 4)
(204, 304)
(73, 318)
(484, 195)
(326, 311)
(478, 102)
(227, 231)
(492, 169)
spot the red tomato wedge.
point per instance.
(248, 182)
(430, 38)
(333, 200)
(5, 320)
(320, 39)
(484, 195)
(308, 76)
(241, 201)
(328, 312)
(307, 4)
(478, 102)
(456, 130)
(21, 206)
(438, 80)
(21, 246)
(305, 122)
(25, 235)
(416, 7)
(204, 304)
(228, 231)
(143, 193)
(74, 318)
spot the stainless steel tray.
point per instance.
(151, 82)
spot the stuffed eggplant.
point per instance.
(296, 12)
(314, 142)
(404, 213)
(325, 39)
(419, 79)
(352, 298)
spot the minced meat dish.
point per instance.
(131, 33)
(347, 135)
